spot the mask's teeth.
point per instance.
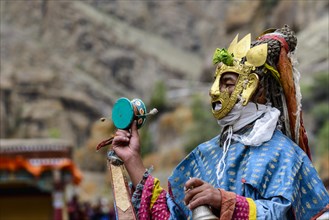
(217, 106)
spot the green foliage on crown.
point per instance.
(222, 55)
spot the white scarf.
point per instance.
(241, 116)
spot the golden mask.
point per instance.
(231, 62)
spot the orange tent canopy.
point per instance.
(37, 156)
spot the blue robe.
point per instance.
(277, 175)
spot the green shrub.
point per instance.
(322, 138)
(158, 98)
(54, 133)
(320, 112)
(146, 141)
(204, 125)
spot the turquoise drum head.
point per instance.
(122, 113)
(140, 111)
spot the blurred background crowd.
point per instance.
(84, 210)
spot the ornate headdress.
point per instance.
(265, 73)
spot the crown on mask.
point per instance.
(239, 57)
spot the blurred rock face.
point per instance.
(63, 64)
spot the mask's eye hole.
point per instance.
(228, 81)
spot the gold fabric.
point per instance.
(122, 198)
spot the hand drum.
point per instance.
(124, 112)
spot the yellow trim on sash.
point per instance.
(157, 189)
(252, 209)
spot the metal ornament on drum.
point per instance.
(124, 112)
(140, 112)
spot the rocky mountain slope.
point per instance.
(64, 63)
